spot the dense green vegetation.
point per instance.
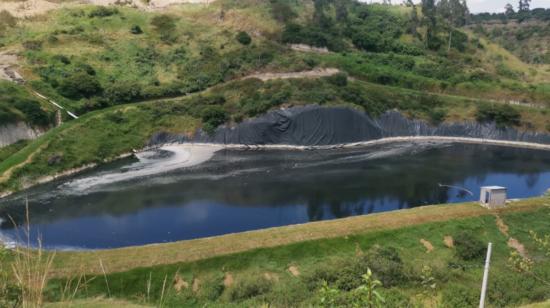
(330, 270)
(16, 105)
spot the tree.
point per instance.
(281, 11)
(414, 20)
(341, 11)
(430, 20)
(454, 13)
(509, 9)
(524, 5)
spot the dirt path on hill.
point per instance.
(316, 73)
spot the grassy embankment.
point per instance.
(105, 134)
(123, 55)
(408, 250)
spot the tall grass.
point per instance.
(31, 268)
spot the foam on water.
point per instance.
(150, 163)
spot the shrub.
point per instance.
(79, 84)
(122, 92)
(460, 296)
(323, 272)
(33, 45)
(244, 38)
(502, 115)
(211, 289)
(385, 263)
(437, 115)
(165, 26)
(35, 115)
(249, 287)
(116, 117)
(212, 117)
(135, 29)
(281, 11)
(339, 79)
(468, 246)
(61, 58)
(103, 11)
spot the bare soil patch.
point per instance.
(179, 283)
(271, 277)
(316, 73)
(502, 227)
(449, 241)
(294, 271)
(429, 247)
(228, 280)
(519, 247)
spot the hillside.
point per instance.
(101, 79)
(525, 34)
(101, 59)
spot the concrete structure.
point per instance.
(493, 197)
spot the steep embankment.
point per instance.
(12, 133)
(317, 126)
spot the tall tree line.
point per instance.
(443, 15)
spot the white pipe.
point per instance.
(485, 276)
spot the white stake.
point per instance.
(485, 276)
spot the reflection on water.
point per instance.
(245, 190)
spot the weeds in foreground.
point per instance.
(31, 268)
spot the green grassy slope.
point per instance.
(96, 60)
(411, 275)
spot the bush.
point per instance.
(136, 29)
(323, 272)
(165, 26)
(103, 11)
(459, 296)
(211, 289)
(244, 38)
(122, 92)
(468, 246)
(437, 115)
(281, 11)
(502, 115)
(212, 117)
(385, 263)
(339, 79)
(249, 287)
(35, 115)
(78, 85)
(33, 45)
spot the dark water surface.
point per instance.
(245, 190)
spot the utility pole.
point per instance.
(485, 276)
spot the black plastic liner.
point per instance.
(320, 126)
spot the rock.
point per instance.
(55, 159)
